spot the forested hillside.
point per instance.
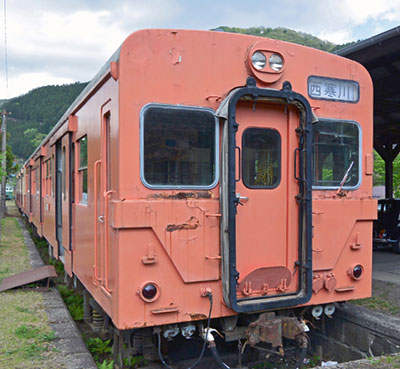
(35, 113)
(285, 34)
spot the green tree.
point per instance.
(34, 137)
(39, 109)
(288, 35)
(379, 173)
(2, 173)
(11, 167)
(379, 170)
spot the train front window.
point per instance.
(179, 147)
(261, 158)
(336, 154)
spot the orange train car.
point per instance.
(206, 163)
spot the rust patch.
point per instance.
(182, 195)
(198, 316)
(192, 223)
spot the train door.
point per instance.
(267, 246)
(59, 202)
(103, 194)
(30, 191)
(41, 194)
(63, 200)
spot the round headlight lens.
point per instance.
(276, 62)
(258, 60)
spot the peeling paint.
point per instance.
(192, 223)
(198, 316)
(181, 195)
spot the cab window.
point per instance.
(179, 147)
(336, 154)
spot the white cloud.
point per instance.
(67, 40)
(337, 37)
(25, 82)
(360, 11)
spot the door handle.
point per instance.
(101, 218)
(244, 198)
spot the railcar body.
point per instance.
(199, 162)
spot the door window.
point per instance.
(261, 158)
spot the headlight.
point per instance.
(258, 60)
(275, 62)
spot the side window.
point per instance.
(336, 154)
(50, 188)
(33, 181)
(82, 170)
(179, 147)
(261, 158)
(37, 174)
(48, 178)
(73, 172)
(64, 174)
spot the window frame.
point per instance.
(216, 151)
(344, 187)
(279, 178)
(81, 171)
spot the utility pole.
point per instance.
(4, 167)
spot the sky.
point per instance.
(64, 41)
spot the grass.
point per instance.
(385, 361)
(26, 339)
(379, 303)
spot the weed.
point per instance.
(58, 265)
(73, 301)
(47, 337)
(135, 361)
(26, 331)
(106, 364)
(32, 350)
(98, 347)
(314, 361)
(23, 310)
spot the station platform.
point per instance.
(386, 266)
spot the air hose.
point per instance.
(209, 295)
(216, 356)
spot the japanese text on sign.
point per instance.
(333, 89)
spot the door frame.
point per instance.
(229, 199)
(58, 167)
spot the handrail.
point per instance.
(106, 226)
(96, 278)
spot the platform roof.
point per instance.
(380, 55)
